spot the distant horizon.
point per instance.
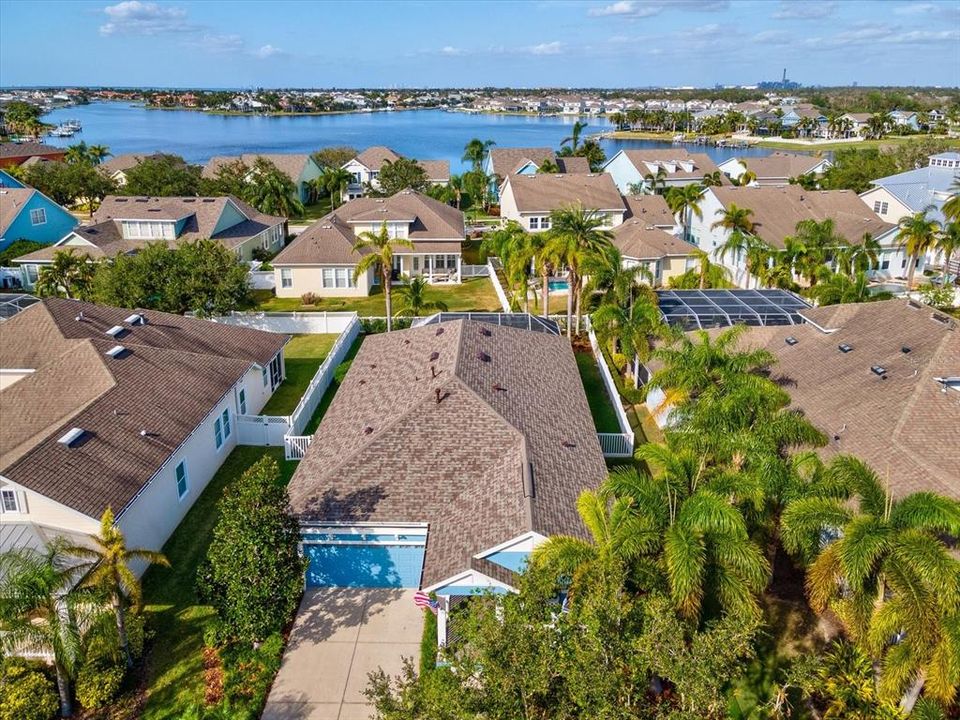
(601, 44)
(463, 88)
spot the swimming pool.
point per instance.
(558, 285)
(892, 288)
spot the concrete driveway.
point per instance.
(339, 636)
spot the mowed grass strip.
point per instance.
(302, 358)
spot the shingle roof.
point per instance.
(175, 371)
(30, 149)
(387, 451)
(547, 192)
(652, 209)
(903, 426)
(635, 238)
(331, 238)
(290, 164)
(118, 163)
(777, 210)
(573, 165)
(12, 201)
(438, 171)
(105, 242)
(374, 158)
(507, 161)
(780, 165)
(647, 161)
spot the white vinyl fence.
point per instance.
(274, 429)
(474, 271)
(493, 264)
(613, 444)
(295, 446)
(294, 323)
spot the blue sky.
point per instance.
(617, 43)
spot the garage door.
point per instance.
(361, 559)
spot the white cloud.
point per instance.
(266, 51)
(804, 11)
(626, 7)
(875, 34)
(450, 50)
(649, 8)
(771, 37)
(221, 44)
(133, 17)
(915, 8)
(550, 48)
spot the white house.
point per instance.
(657, 170)
(776, 212)
(529, 199)
(775, 169)
(365, 169)
(502, 162)
(321, 260)
(651, 236)
(131, 410)
(124, 225)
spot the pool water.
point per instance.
(558, 285)
(892, 288)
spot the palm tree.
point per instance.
(376, 250)
(510, 244)
(618, 281)
(548, 166)
(631, 328)
(878, 124)
(271, 191)
(77, 154)
(68, 275)
(684, 202)
(652, 182)
(413, 299)
(811, 246)
(704, 550)
(734, 218)
(917, 235)
(861, 257)
(334, 181)
(575, 234)
(42, 611)
(705, 275)
(948, 243)
(747, 177)
(754, 251)
(457, 187)
(951, 208)
(574, 138)
(109, 573)
(888, 575)
(476, 150)
(841, 288)
(98, 153)
(714, 179)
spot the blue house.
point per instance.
(9, 181)
(28, 214)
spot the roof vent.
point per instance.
(790, 340)
(944, 320)
(434, 355)
(499, 388)
(71, 436)
(568, 444)
(844, 348)
(362, 382)
(485, 332)
(119, 200)
(878, 370)
(136, 319)
(208, 200)
(439, 331)
(482, 356)
(116, 351)
(367, 430)
(914, 304)
(79, 317)
(906, 349)
(116, 331)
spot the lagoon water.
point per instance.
(422, 134)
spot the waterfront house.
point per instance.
(321, 260)
(657, 170)
(442, 461)
(879, 379)
(19, 153)
(905, 118)
(794, 117)
(501, 162)
(776, 212)
(123, 225)
(365, 169)
(28, 214)
(529, 199)
(134, 410)
(116, 167)
(778, 168)
(300, 168)
(651, 236)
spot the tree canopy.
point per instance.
(162, 175)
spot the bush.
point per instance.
(372, 326)
(619, 361)
(25, 693)
(309, 298)
(937, 296)
(261, 254)
(98, 684)
(249, 673)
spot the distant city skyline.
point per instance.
(607, 43)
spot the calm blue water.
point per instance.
(423, 134)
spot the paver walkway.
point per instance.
(339, 636)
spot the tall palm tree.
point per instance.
(879, 124)
(704, 550)
(888, 575)
(918, 234)
(811, 245)
(109, 559)
(98, 153)
(548, 167)
(734, 218)
(457, 186)
(859, 257)
(376, 251)
(706, 274)
(574, 138)
(948, 243)
(684, 202)
(951, 208)
(654, 182)
(414, 301)
(68, 275)
(511, 245)
(714, 179)
(42, 611)
(271, 191)
(476, 150)
(577, 233)
(631, 328)
(334, 181)
(841, 288)
(618, 282)
(77, 154)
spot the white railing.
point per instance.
(625, 448)
(471, 271)
(262, 429)
(323, 377)
(516, 320)
(492, 265)
(295, 446)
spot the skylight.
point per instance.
(71, 436)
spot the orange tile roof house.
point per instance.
(129, 409)
(443, 459)
(125, 224)
(321, 260)
(366, 167)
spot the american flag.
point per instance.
(423, 601)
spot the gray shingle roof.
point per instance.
(387, 451)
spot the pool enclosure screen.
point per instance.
(701, 309)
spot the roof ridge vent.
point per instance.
(71, 436)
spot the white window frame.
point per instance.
(182, 469)
(218, 433)
(266, 375)
(242, 401)
(38, 216)
(9, 494)
(286, 277)
(225, 416)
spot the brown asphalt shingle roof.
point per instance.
(29, 149)
(176, 370)
(290, 164)
(777, 210)
(702, 164)
(637, 239)
(118, 163)
(547, 192)
(12, 201)
(330, 239)
(375, 157)
(105, 239)
(780, 165)
(507, 161)
(387, 451)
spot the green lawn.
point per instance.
(327, 398)
(476, 295)
(174, 666)
(884, 143)
(313, 212)
(604, 415)
(302, 357)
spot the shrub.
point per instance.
(371, 326)
(249, 672)
(619, 361)
(261, 254)
(98, 684)
(937, 296)
(25, 693)
(309, 298)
